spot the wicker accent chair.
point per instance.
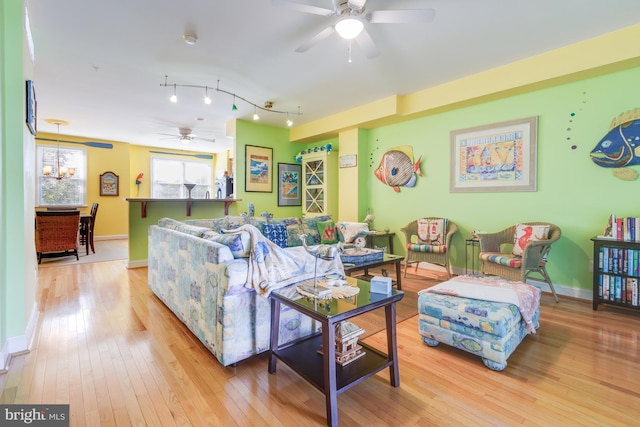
(513, 267)
(434, 254)
(57, 234)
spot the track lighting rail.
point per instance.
(268, 105)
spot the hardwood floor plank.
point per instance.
(108, 347)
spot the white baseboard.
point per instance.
(137, 264)
(112, 237)
(19, 344)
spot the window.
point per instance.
(168, 177)
(68, 191)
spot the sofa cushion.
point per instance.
(350, 230)
(215, 224)
(238, 243)
(327, 230)
(310, 228)
(435, 249)
(293, 228)
(235, 221)
(528, 233)
(277, 233)
(431, 231)
(176, 225)
(502, 259)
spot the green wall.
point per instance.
(17, 251)
(251, 133)
(572, 191)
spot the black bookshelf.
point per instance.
(616, 273)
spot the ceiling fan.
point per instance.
(185, 136)
(348, 19)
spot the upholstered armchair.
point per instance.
(518, 251)
(57, 233)
(432, 247)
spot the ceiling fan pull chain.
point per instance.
(349, 51)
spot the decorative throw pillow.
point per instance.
(277, 233)
(351, 230)
(310, 228)
(292, 225)
(431, 231)
(527, 233)
(327, 230)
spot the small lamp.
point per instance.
(324, 252)
(369, 220)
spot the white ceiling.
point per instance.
(100, 64)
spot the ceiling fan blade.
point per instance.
(169, 134)
(204, 139)
(367, 45)
(401, 16)
(304, 7)
(315, 40)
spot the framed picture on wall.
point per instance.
(289, 181)
(495, 158)
(32, 108)
(109, 184)
(258, 169)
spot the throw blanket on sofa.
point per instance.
(523, 296)
(272, 267)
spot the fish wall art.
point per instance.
(620, 147)
(398, 169)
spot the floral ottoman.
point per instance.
(486, 316)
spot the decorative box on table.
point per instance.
(361, 255)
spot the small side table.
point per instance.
(474, 245)
(370, 239)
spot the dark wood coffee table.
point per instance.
(349, 269)
(321, 370)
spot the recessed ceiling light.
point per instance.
(190, 39)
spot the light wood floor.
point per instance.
(118, 356)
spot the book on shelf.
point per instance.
(623, 229)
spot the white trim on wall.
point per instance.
(20, 344)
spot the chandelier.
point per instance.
(61, 171)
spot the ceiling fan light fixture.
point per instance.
(207, 99)
(349, 28)
(255, 114)
(185, 139)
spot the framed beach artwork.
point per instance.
(109, 184)
(496, 157)
(258, 169)
(289, 191)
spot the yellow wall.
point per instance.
(112, 218)
(126, 161)
(348, 195)
(611, 52)
(141, 162)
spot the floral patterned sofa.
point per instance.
(200, 274)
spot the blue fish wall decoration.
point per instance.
(620, 147)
